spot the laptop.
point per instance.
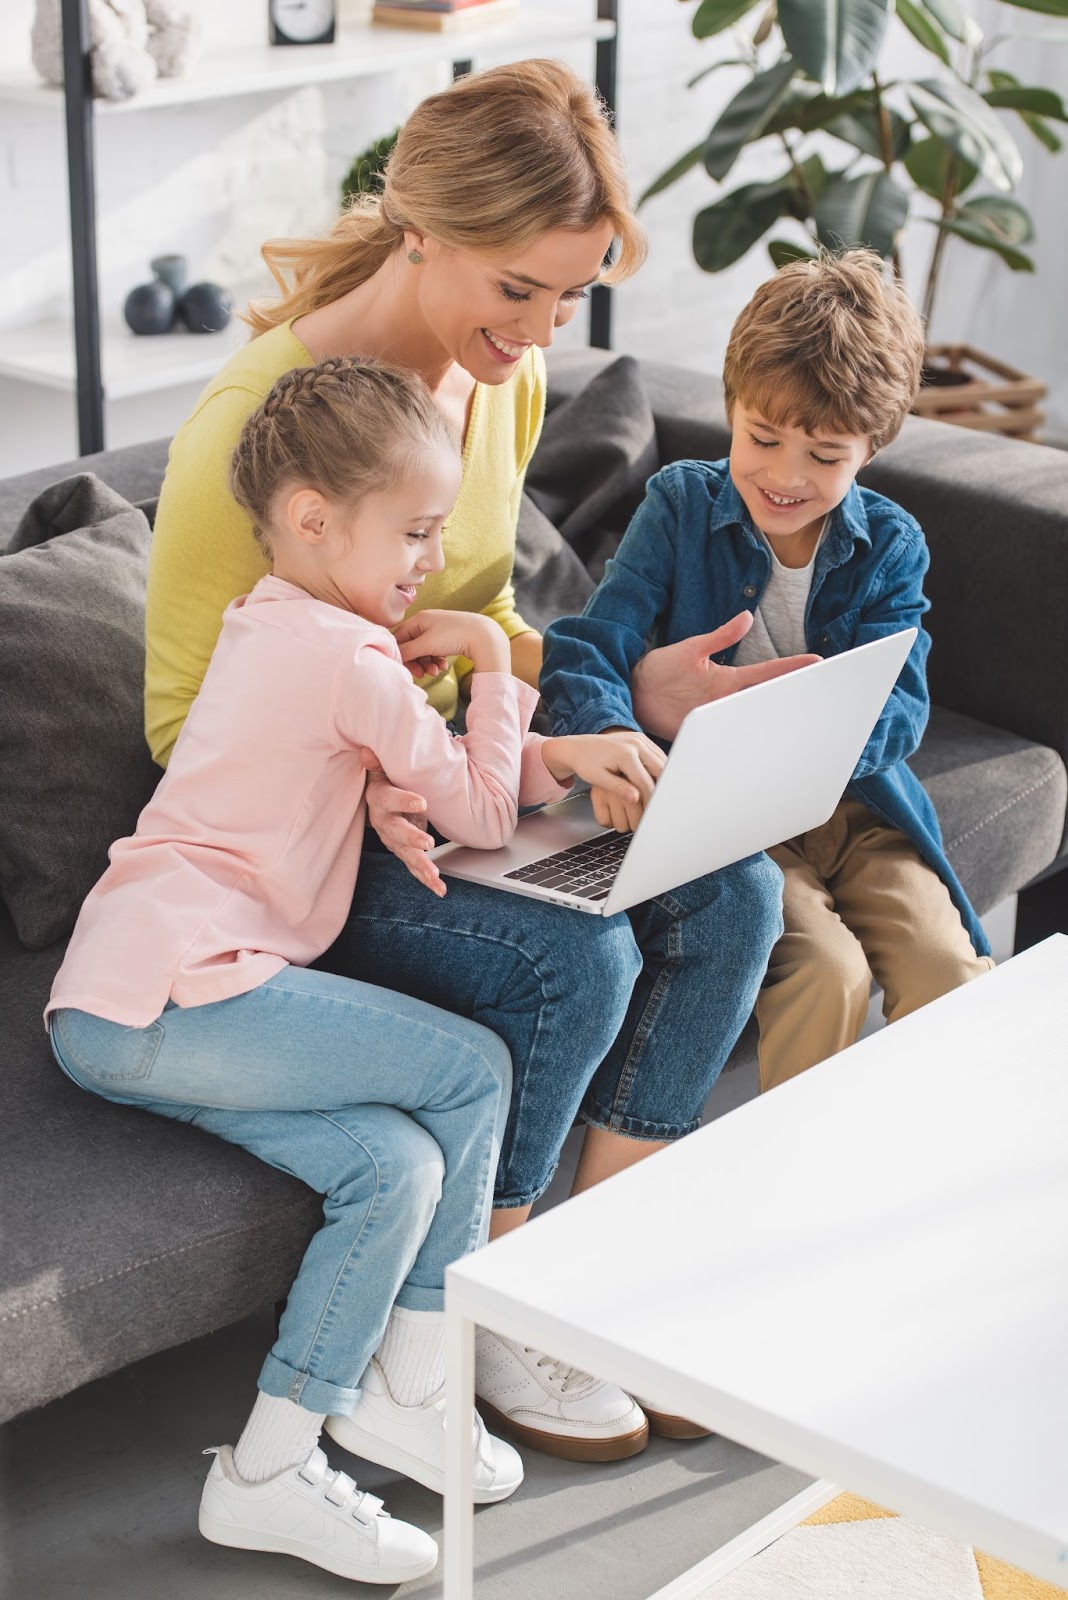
(744, 773)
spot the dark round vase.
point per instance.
(205, 308)
(150, 308)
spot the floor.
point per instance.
(100, 1489)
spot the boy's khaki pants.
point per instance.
(858, 902)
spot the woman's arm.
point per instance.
(203, 556)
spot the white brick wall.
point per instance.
(214, 180)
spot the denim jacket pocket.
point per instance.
(833, 636)
(97, 1054)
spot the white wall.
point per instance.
(214, 180)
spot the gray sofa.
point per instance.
(125, 1234)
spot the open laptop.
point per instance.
(744, 773)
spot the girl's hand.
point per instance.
(620, 765)
(428, 639)
(398, 816)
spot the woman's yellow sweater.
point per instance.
(204, 554)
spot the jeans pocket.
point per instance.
(102, 1055)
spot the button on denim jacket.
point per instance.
(691, 560)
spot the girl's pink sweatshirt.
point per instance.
(245, 859)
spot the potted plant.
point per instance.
(813, 70)
(365, 174)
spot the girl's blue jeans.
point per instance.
(625, 1021)
(390, 1108)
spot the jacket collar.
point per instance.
(849, 522)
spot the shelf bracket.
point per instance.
(78, 97)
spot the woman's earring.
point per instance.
(415, 258)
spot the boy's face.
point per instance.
(790, 480)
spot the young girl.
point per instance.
(186, 988)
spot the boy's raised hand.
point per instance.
(620, 765)
(669, 682)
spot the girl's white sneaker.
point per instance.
(317, 1515)
(411, 1439)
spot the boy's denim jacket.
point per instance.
(690, 561)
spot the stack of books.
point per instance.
(441, 14)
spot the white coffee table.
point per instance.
(863, 1275)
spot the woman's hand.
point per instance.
(668, 683)
(398, 816)
(620, 765)
(428, 639)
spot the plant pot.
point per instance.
(962, 385)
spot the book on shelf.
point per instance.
(433, 5)
(470, 13)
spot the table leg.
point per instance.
(459, 1458)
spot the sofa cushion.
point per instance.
(549, 578)
(1000, 800)
(135, 471)
(123, 1233)
(74, 767)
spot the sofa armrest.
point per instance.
(995, 513)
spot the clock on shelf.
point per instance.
(301, 21)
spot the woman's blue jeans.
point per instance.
(625, 1021)
(391, 1109)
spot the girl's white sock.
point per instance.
(412, 1355)
(278, 1434)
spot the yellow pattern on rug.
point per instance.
(999, 1582)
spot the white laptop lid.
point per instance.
(758, 767)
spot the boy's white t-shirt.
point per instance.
(779, 620)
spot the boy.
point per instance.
(821, 369)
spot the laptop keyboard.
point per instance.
(587, 870)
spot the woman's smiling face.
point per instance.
(488, 310)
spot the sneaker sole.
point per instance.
(567, 1446)
(238, 1538)
(368, 1447)
(666, 1426)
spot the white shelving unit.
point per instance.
(44, 353)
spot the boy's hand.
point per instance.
(620, 765)
(398, 816)
(669, 682)
(428, 639)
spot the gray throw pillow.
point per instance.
(75, 771)
(550, 580)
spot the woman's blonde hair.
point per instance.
(345, 427)
(488, 165)
(832, 344)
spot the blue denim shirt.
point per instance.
(691, 560)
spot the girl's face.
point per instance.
(371, 559)
(488, 310)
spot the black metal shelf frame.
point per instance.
(81, 176)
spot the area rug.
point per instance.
(852, 1550)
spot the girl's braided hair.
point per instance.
(344, 426)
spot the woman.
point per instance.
(502, 199)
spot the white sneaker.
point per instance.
(411, 1439)
(315, 1514)
(553, 1407)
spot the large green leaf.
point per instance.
(950, 18)
(723, 232)
(783, 251)
(673, 173)
(869, 210)
(1041, 129)
(1051, 8)
(712, 16)
(962, 119)
(974, 234)
(744, 117)
(807, 108)
(1016, 98)
(1003, 218)
(836, 41)
(861, 129)
(705, 72)
(925, 30)
(927, 164)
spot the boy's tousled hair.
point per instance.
(829, 345)
(344, 426)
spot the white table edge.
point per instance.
(468, 1303)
